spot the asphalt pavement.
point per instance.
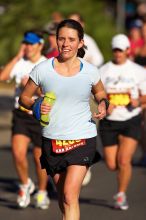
(95, 198)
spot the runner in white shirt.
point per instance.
(125, 84)
(25, 128)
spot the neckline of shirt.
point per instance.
(81, 68)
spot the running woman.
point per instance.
(69, 141)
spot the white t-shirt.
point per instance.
(93, 54)
(21, 69)
(70, 117)
(122, 82)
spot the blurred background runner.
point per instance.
(25, 128)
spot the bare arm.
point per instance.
(5, 72)
(142, 102)
(26, 99)
(99, 91)
(99, 94)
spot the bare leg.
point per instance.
(59, 182)
(119, 158)
(110, 155)
(19, 148)
(41, 173)
(71, 184)
(126, 150)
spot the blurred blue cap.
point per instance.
(135, 24)
(32, 38)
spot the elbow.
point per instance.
(20, 101)
(24, 102)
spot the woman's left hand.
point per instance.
(101, 111)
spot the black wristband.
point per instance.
(105, 101)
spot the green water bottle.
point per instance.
(49, 98)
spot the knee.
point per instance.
(70, 198)
(18, 156)
(111, 166)
(123, 163)
(36, 158)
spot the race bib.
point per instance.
(62, 146)
(119, 99)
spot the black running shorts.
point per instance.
(23, 123)
(56, 163)
(110, 130)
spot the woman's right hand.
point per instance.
(45, 108)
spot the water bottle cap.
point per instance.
(50, 95)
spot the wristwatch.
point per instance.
(105, 101)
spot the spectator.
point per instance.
(56, 17)
(51, 32)
(140, 58)
(135, 37)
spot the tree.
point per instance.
(19, 16)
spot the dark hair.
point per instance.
(70, 23)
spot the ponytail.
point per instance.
(81, 51)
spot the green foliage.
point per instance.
(20, 16)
